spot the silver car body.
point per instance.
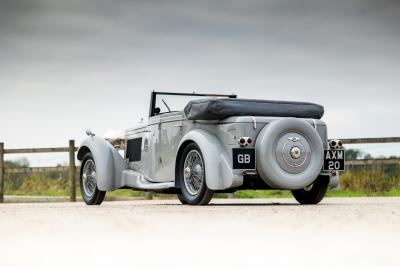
(162, 139)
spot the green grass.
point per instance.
(127, 193)
(123, 194)
(345, 193)
(371, 181)
(392, 193)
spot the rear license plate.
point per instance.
(334, 160)
(244, 158)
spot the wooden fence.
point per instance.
(71, 149)
(73, 170)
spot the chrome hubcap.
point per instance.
(295, 152)
(193, 172)
(89, 178)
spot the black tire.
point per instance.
(204, 195)
(315, 194)
(181, 198)
(98, 196)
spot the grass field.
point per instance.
(131, 194)
(127, 194)
(374, 180)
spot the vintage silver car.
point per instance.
(195, 145)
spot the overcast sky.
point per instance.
(69, 65)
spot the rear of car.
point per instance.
(283, 143)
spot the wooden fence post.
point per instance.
(2, 167)
(148, 195)
(72, 170)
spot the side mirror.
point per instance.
(89, 132)
(157, 111)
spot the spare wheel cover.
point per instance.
(289, 154)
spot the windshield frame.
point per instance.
(154, 98)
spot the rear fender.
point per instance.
(109, 163)
(219, 173)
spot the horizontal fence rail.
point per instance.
(37, 150)
(71, 149)
(378, 140)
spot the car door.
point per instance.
(141, 144)
(171, 132)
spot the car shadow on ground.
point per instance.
(232, 204)
(253, 204)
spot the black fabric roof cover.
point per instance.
(220, 108)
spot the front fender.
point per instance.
(109, 163)
(219, 173)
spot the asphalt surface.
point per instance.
(262, 232)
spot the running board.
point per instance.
(137, 180)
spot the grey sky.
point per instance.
(69, 65)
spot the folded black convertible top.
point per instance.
(221, 108)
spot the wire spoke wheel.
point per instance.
(193, 172)
(89, 178)
(88, 181)
(191, 177)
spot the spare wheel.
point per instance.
(289, 154)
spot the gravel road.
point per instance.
(262, 232)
